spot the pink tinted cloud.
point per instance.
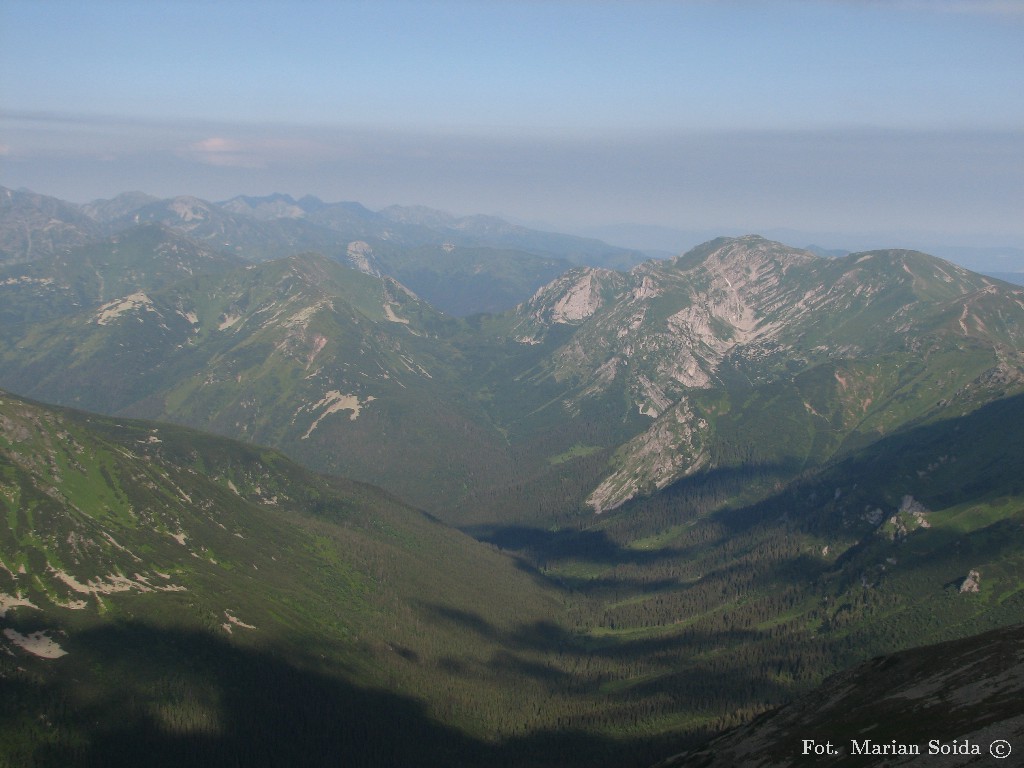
(252, 152)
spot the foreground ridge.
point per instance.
(942, 704)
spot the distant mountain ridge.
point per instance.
(510, 261)
(988, 255)
(34, 226)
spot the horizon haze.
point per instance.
(881, 124)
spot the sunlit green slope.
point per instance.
(346, 371)
(604, 387)
(170, 589)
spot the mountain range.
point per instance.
(692, 488)
(462, 265)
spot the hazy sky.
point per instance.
(821, 115)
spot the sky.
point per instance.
(899, 119)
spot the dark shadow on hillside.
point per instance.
(543, 545)
(769, 552)
(664, 656)
(133, 694)
(969, 687)
(943, 463)
(591, 540)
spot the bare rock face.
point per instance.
(360, 255)
(972, 583)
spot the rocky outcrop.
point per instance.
(972, 583)
(910, 516)
(753, 313)
(670, 449)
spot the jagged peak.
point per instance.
(742, 250)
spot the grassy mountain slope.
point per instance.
(746, 351)
(676, 615)
(167, 590)
(729, 592)
(798, 462)
(143, 257)
(605, 386)
(344, 370)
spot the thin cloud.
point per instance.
(945, 182)
(227, 153)
(257, 151)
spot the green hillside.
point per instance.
(149, 256)
(694, 489)
(183, 574)
(748, 352)
(729, 592)
(179, 596)
(602, 388)
(349, 372)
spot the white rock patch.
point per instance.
(228, 321)
(37, 643)
(333, 402)
(9, 601)
(234, 620)
(579, 302)
(114, 309)
(390, 315)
